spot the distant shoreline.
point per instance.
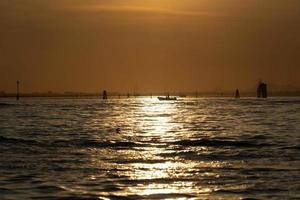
(122, 95)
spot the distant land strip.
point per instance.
(132, 95)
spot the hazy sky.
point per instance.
(148, 45)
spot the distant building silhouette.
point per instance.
(104, 95)
(237, 93)
(262, 90)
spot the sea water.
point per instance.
(142, 148)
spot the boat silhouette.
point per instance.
(167, 98)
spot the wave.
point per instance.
(220, 156)
(17, 141)
(296, 147)
(5, 105)
(72, 143)
(72, 197)
(219, 143)
(126, 144)
(113, 144)
(248, 191)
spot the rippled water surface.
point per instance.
(206, 148)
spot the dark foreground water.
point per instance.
(208, 148)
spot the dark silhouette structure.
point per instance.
(237, 93)
(262, 90)
(18, 90)
(104, 95)
(167, 98)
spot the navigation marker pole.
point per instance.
(18, 90)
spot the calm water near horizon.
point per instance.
(141, 148)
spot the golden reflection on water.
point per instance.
(158, 116)
(152, 173)
(157, 120)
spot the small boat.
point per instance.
(167, 98)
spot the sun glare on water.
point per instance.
(156, 167)
(154, 174)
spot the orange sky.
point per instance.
(148, 45)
